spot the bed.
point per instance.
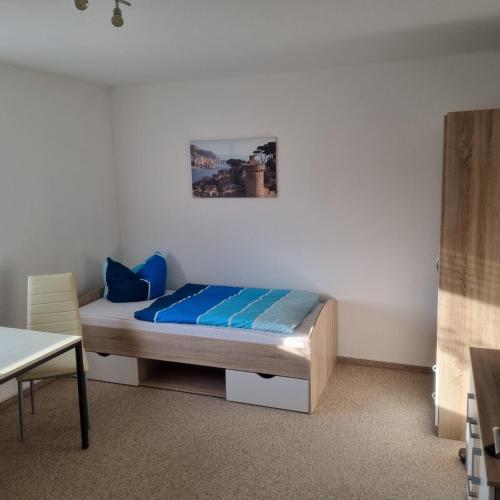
(286, 371)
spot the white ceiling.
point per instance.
(171, 40)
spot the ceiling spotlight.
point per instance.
(117, 19)
(81, 4)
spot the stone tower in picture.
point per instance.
(254, 179)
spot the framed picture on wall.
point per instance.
(234, 168)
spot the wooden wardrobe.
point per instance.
(469, 270)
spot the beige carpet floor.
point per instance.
(371, 437)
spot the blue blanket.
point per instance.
(253, 308)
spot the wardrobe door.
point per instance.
(469, 278)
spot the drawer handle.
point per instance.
(470, 493)
(103, 354)
(473, 479)
(470, 422)
(265, 375)
(470, 396)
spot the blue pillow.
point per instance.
(143, 282)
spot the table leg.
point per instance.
(82, 395)
(20, 395)
(32, 396)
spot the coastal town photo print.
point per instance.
(234, 168)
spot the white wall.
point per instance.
(357, 215)
(57, 196)
(360, 152)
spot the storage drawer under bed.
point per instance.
(268, 390)
(112, 368)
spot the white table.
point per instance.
(22, 350)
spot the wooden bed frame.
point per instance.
(314, 363)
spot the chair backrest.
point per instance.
(53, 304)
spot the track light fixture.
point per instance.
(81, 4)
(116, 19)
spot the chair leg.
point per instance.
(32, 396)
(87, 416)
(21, 409)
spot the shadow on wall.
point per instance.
(175, 275)
(92, 271)
(90, 276)
(387, 324)
(7, 314)
(247, 266)
(475, 35)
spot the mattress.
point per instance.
(121, 315)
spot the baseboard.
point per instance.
(13, 399)
(384, 364)
(341, 359)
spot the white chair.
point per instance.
(52, 307)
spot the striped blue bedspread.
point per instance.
(228, 306)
